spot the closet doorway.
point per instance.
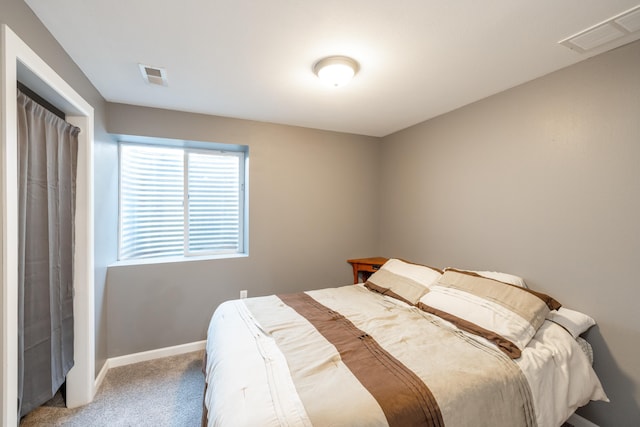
(19, 62)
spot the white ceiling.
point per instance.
(252, 59)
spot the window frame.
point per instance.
(239, 151)
(185, 200)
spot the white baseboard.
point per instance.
(100, 377)
(144, 356)
(578, 421)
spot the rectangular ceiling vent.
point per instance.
(613, 32)
(154, 75)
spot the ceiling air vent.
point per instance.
(154, 75)
(613, 32)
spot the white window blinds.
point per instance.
(214, 202)
(180, 202)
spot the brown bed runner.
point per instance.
(402, 395)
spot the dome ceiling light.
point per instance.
(336, 70)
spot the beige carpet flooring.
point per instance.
(162, 392)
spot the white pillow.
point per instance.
(496, 275)
(575, 322)
(503, 277)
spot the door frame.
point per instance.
(18, 61)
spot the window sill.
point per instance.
(176, 259)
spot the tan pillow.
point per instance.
(403, 280)
(511, 314)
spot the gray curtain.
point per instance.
(47, 162)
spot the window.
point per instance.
(180, 201)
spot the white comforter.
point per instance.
(559, 374)
(249, 382)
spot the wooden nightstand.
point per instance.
(366, 267)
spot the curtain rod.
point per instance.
(40, 100)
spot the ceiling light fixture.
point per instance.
(336, 70)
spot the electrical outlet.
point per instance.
(243, 294)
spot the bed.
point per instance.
(412, 346)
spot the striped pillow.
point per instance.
(403, 280)
(505, 314)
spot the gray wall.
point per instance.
(543, 181)
(17, 15)
(312, 199)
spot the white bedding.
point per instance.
(248, 379)
(555, 364)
